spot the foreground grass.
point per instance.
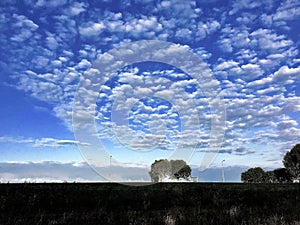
(159, 204)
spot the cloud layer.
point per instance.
(251, 47)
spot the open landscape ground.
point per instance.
(158, 204)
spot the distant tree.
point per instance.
(291, 162)
(174, 169)
(160, 169)
(184, 172)
(253, 175)
(282, 175)
(176, 166)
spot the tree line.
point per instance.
(290, 172)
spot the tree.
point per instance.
(282, 175)
(176, 166)
(160, 169)
(269, 177)
(174, 169)
(291, 162)
(184, 172)
(253, 175)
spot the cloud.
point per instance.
(226, 65)
(283, 76)
(253, 70)
(257, 69)
(268, 40)
(43, 142)
(54, 3)
(288, 10)
(244, 4)
(151, 104)
(77, 8)
(50, 171)
(15, 140)
(91, 29)
(52, 42)
(24, 28)
(51, 142)
(268, 90)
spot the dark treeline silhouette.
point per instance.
(290, 172)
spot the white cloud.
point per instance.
(288, 10)
(23, 27)
(244, 4)
(226, 65)
(53, 3)
(246, 18)
(283, 76)
(252, 71)
(50, 171)
(285, 73)
(15, 139)
(77, 8)
(52, 142)
(233, 38)
(43, 142)
(83, 64)
(22, 36)
(52, 42)
(268, 90)
(205, 29)
(226, 45)
(24, 22)
(268, 40)
(91, 29)
(262, 81)
(145, 27)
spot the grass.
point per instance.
(159, 204)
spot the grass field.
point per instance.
(159, 204)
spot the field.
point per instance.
(159, 204)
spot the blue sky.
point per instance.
(250, 47)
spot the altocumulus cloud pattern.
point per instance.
(251, 48)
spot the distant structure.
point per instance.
(223, 174)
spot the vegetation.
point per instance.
(291, 162)
(254, 175)
(282, 175)
(290, 173)
(158, 204)
(174, 169)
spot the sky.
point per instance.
(205, 81)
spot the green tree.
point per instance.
(253, 175)
(291, 162)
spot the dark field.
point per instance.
(159, 204)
